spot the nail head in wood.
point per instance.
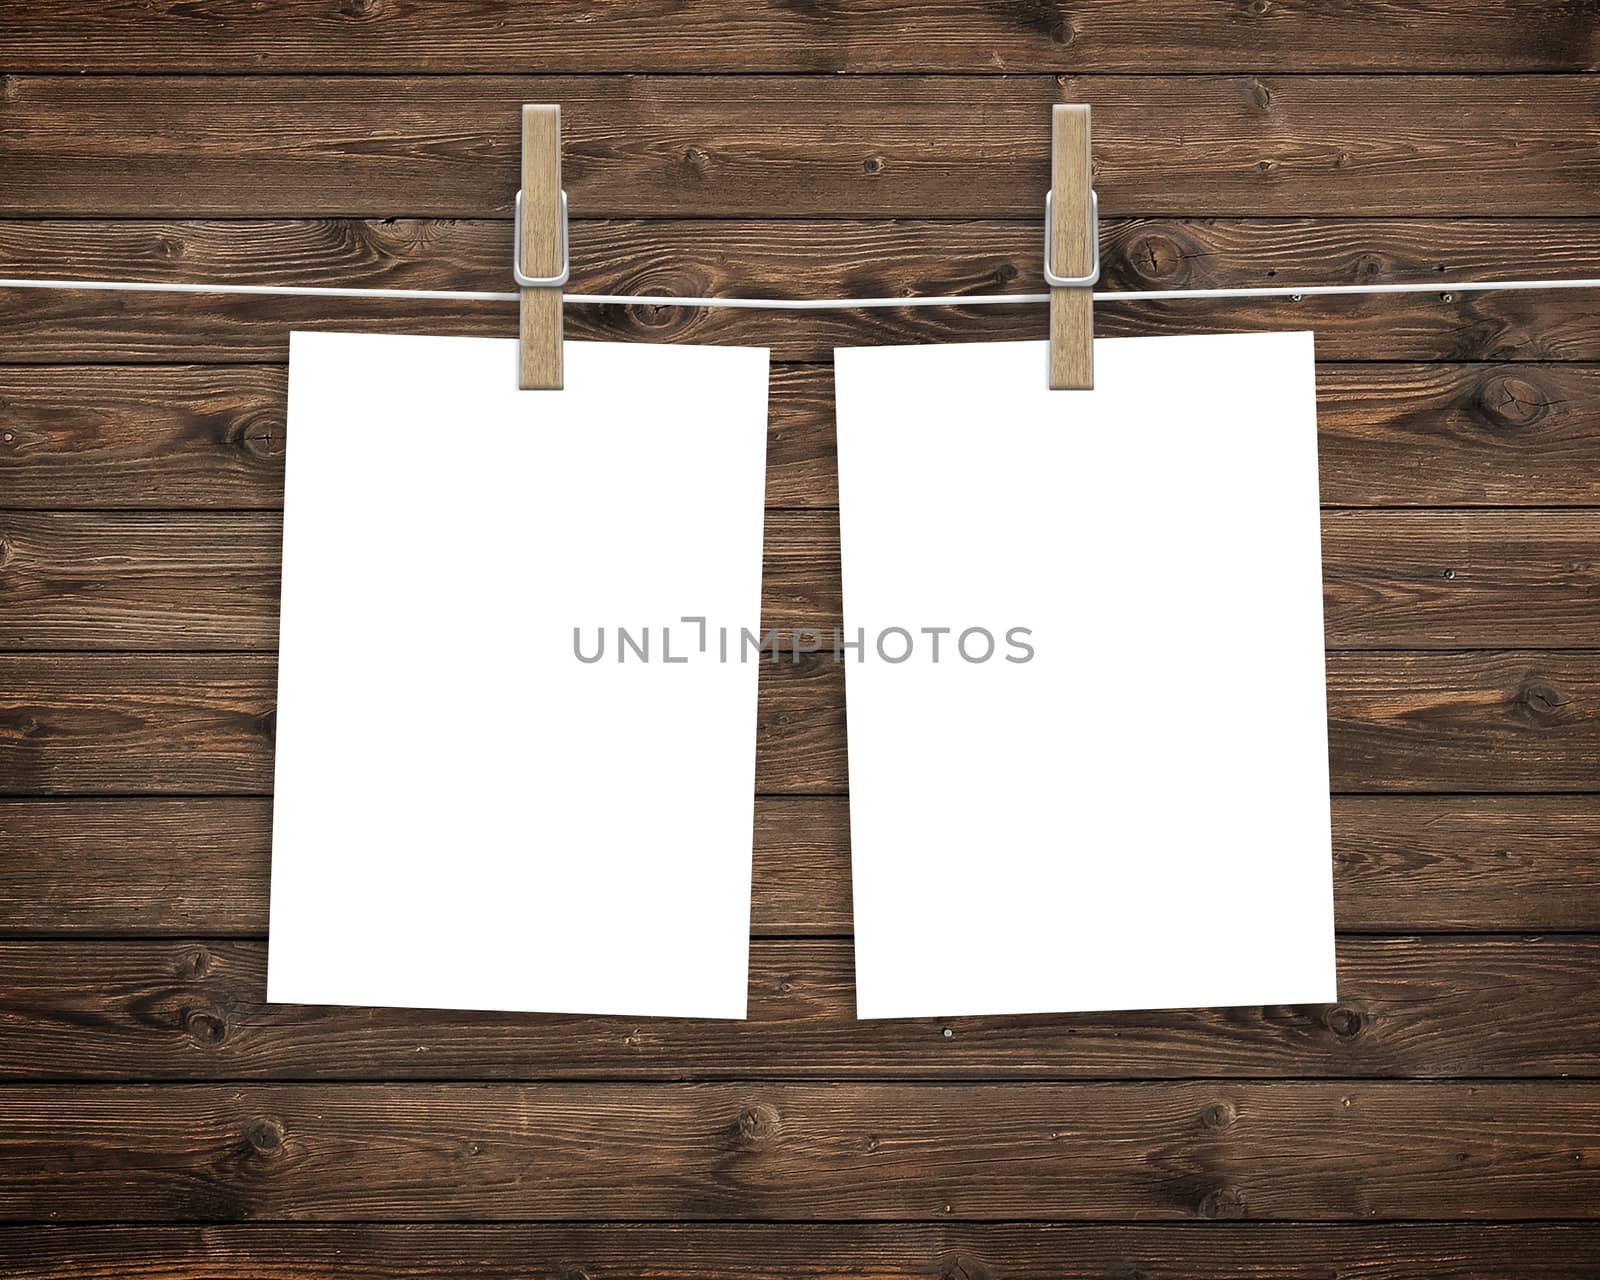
(1071, 245)
(539, 328)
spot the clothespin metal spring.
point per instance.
(549, 282)
(1073, 282)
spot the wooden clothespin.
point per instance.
(541, 259)
(1072, 237)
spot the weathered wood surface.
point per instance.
(183, 437)
(1455, 579)
(1333, 1151)
(806, 258)
(1464, 721)
(703, 36)
(1459, 721)
(167, 581)
(197, 866)
(732, 146)
(861, 1251)
(142, 444)
(1408, 1007)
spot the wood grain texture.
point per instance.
(833, 1251)
(733, 146)
(702, 36)
(103, 724)
(163, 581)
(1335, 1151)
(198, 866)
(1497, 435)
(196, 437)
(1459, 579)
(1408, 1008)
(1466, 862)
(1464, 721)
(797, 258)
(374, 143)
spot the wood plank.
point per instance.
(198, 866)
(58, 327)
(100, 724)
(1457, 579)
(787, 258)
(136, 579)
(203, 724)
(163, 437)
(748, 1251)
(1464, 721)
(731, 146)
(1408, 1008)
(1392, 579)
(1466, 862)
(87, 724)
(161, 581)
(702, 36)
(1332, 1151)
(192, 437)
(1418, 435)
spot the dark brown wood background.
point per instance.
(158, 1118)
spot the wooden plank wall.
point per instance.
(158, 1118)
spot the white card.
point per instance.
(466, 814)
(1136, 816)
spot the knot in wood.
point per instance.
(1508, 400)
(1343, 1021)
(1539, 703)
(872, 165)
(757, 1123)
(960, 1268)
(1047, 17)
(1155, 256)
(265, 1136)
(1218, 1115)
(1224, 1202)
(205, 1026)
(259, 437)
(194, 962)
(666, 320)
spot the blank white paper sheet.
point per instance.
(1087, 721)
(467, 814)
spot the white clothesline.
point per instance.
(1293, 292)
